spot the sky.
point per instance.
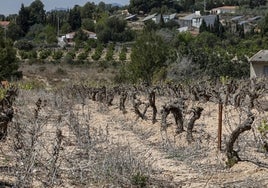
(13, 6)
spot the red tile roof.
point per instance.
(4, 23)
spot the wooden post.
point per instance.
(220, 126)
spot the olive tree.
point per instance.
(148, 57)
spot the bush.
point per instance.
(23, 55)
(139, 179)
(123, 54)
(82, 56)
(87, 48)
(31, 85)
(24, 45)
(72, 54)
(96, 56)
(68, 59)
(57, 55)
(109, 55)
(110, 52)
(32, 54)
(44, 54)
(8, 59)
(92, 43)
(98, 52)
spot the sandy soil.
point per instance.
(171, 158)
(198, 164)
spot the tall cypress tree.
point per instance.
(75, 18)
(23, 19)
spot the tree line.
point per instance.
(145, 6)
(169, 55)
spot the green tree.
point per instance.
(87, 10)
(14, 32)
(264, 25)
(66, 28)
(102, 6)
(74, 19)
(8, 61)
(88, 24)
(113, 29)
(80, 37)
(37, 12)
(34, 33)
(148, 56)
(135, 6)
(257, 3)
(50, 34)
(23, 19)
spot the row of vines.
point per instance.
(53, 142)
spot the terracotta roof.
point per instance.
(4, 23)
(261, 56)
(226, 8)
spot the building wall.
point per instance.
(257, 69)
(185, 23)
(197, 22)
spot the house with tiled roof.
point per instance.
(259, 64)
(4, 24)
(224, 10)
(69, 37)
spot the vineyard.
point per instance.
(136, 135)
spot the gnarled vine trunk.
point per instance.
(196, 113)
(232, 155)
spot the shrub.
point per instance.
(23, 54)
(31, 85)
(96, 56)
(44, 54)
(98, 52)
(68, 59)
(32, 54)
(72, 54)
(110, 52)
(24, 45)
(92, 43)
(123, 54)
(139, 179)
(82, 56)
(57, 55)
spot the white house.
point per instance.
(68, 38)
(191, 20)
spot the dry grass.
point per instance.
(67, 140)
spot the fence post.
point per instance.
(219, 126)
